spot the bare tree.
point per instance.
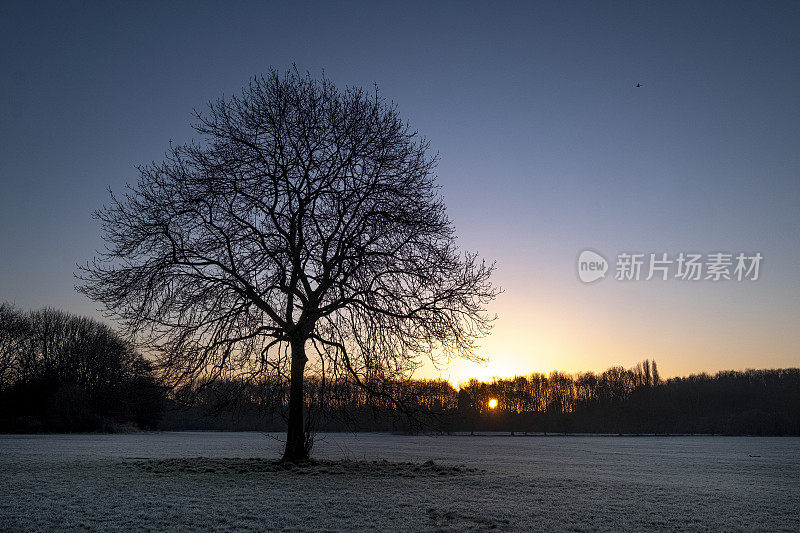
(13, 330)
(306, 222)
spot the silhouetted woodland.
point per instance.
(59, 372)
(629, 401)
(63, 373)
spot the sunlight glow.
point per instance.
(492, 403)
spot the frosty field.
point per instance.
(228, 481)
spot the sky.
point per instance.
(547, 148)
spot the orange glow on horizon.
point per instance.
(571, 328)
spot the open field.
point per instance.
(228, 481)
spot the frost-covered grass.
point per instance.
(231, 481)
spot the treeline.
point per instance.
(62, 373)
(619, 400)
(59, 372)
(752, 402)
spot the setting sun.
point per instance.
(492, 403)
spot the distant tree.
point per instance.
(648, 377)
(656, 376)
(306, 222)
(12, 332)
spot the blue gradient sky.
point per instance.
(546, 148)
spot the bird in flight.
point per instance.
(638, 85)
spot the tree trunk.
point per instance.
(295, 436)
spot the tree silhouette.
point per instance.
(307, 221)
(60, 372)
(13, 330)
